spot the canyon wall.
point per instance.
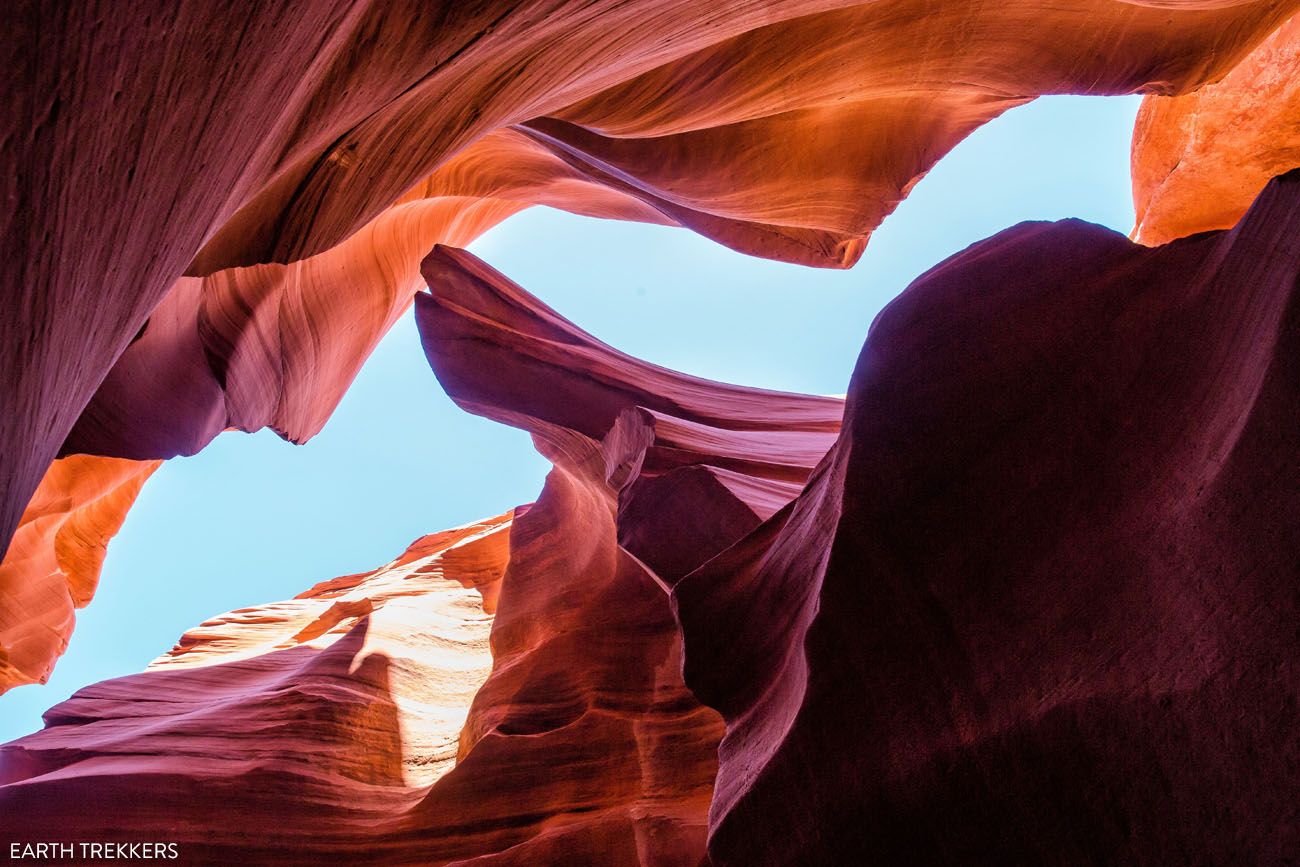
(938, 632)
(361, 720)
(1027, 596)
(277, 731)
(53, 564)
(158, 142)
(1200, 159)
(1038, 603)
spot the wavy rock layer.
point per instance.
(647, 462)
(278, 345)
(1045, 573)
(291, 730)
(1045, 570)
(324, 727)
(1200, 159)
(53, 564)
(1038, 605)
(153, 148)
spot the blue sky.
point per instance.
(252, 519)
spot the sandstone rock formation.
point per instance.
(303, 723)
(154, 143)
(700, 463)
(1200, 159)
(1028, 596)
(1038, 605)
(278, 345)
(52, 567)
(1034, 604)
(581, 745)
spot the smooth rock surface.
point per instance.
(158, 141)
(52, 568)
(295, 731)
(1038, 604)
(1200, 159)
(325, 728)
(1028, 597)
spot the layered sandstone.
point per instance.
(1038, 604)
(324, 727)
(1071, 652)
(53, 564)
(278, 345)
(155, 144)
(306, 724)
(1028, 597)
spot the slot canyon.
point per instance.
(1027, 593)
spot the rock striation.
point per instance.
(1038, 603)
(290, 730)
(53, 564)
(278, 345)
(202, 139)
(363, 717)
(706, 461)
(1026, 596)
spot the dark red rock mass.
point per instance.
(151, 140)
(1038, 604)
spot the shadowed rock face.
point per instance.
(160, 140)
(1038, 604)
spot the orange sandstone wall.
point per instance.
(159, 141)
(53, 564)
(1200, 159)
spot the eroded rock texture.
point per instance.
(1038, 604)
(291, 731)
(654, 472)
(278, 345)
(53, 565)
(321, 728)
(1034, 602)
(158, 140)
(1200, 159)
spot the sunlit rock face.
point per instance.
(297, 726)
(53, 565)
(278, 345)
(162, 140)
(1201, 158)
(1038, 604)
